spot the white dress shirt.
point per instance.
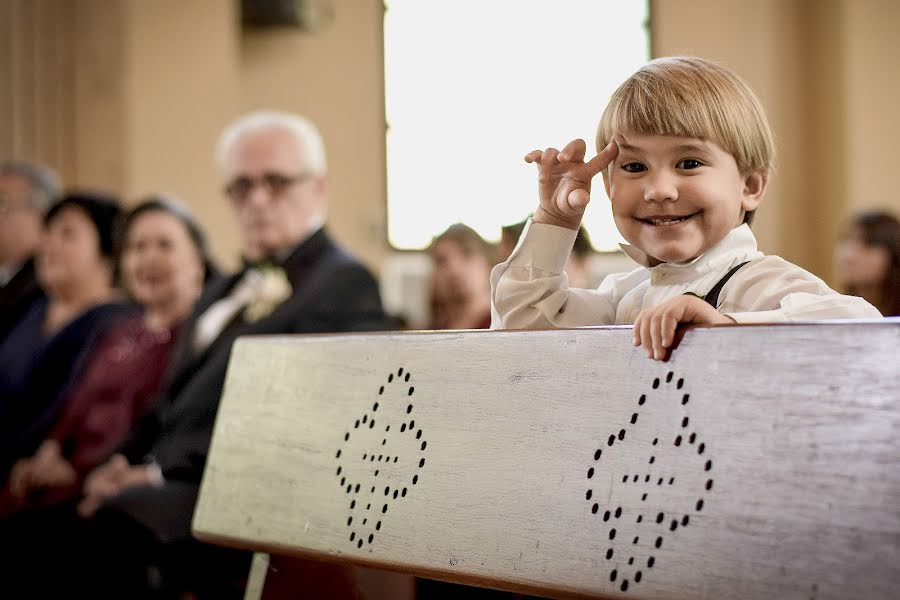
(530, 290)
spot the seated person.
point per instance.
(27, 190)
(38, 356)
(867, 260)
(685, 152)
(163, 262)
(135, 515)
(460, 287)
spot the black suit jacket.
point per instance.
(16, 296)
(332, 292)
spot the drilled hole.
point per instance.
(656, 383)
(597, 454)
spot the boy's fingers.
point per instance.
(573, 151)
(603, 158)
(549, 156)
(534, 156)
(669, 324)
(656, 333)
(578, 199)
(646, 339)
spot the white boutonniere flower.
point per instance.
(272, 288)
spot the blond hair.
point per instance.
(692, 97)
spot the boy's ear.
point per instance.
(755, 184)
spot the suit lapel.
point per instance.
(299, 266)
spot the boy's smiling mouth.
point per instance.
(667, 220)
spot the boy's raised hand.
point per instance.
(565, 181)
(655, 327)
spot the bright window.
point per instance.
(473, 85)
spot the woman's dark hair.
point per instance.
(177, 210)
(103, 211)
(882, 229)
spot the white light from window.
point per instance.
(473, 85)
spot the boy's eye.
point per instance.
(689, 163)
(634, 167)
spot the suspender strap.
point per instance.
(712, 297)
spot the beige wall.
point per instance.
(335, 78)
(136, 103)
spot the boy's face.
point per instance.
(676, 197)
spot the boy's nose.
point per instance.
(660, 188)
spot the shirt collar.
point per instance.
(740, 241)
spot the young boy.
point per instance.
(685, 151)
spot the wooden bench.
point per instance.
(757, 462)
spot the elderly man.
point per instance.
(138, 506)
(26, 192)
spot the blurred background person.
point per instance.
(460, 279)
(27, 190)
(867, 260)
(164, 262)
(75, 270)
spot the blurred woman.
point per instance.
(460, 279)
(164, 263)
(74, 267)
(867, 260)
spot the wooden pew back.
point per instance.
(757, 462)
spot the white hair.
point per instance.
(307, 136)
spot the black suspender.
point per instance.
(712, 297)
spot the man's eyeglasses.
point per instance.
(241, 187)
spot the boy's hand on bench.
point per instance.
(564, 181)
(655, 327)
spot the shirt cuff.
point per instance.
(543, 247)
